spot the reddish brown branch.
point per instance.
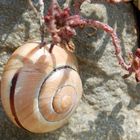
(61, 25)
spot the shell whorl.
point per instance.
(40, 90)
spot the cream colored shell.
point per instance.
(40, 90)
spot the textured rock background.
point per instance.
(110, 107)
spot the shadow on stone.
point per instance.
(113, 19)
(107, 126)
(133, 91)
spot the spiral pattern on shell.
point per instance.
(40, 90)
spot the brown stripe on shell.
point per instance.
(49, 75)
(12, 93)
(55, 69)
(12, 100)
(13, 86)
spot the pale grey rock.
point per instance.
(110, 107)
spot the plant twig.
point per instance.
(40, 14)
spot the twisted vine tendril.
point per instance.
(61, 25)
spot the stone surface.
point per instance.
(110, 107)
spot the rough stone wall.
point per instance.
(110, 106)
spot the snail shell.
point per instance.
(40, 90)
